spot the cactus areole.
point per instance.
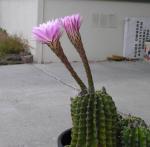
(95, 122)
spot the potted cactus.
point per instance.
(95, 120)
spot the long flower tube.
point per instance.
(72, 25)
(57, 49)
(49, 33)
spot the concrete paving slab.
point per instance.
(32, 107)
(35, 99)
(127, 82)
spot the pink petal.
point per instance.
(48, 32)
(71, 24)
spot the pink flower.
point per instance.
(48, 32)
(71, 24)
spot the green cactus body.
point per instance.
(94, 121)
(148, 138)
(135, 132)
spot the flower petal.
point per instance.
(48, 32)
(71, 24)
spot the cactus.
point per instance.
(130, 120)
(136, 137)
(94, 121)
(135, 132)
(119, 130)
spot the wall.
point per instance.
(102, 28)
(19, 16)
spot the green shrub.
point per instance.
(12, 44)
(3, 34)
(3, 30)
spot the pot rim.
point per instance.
(60, 137)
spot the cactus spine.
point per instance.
(94, 121)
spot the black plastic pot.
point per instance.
(64, 138)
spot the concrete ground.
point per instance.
(35, 99)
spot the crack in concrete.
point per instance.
(54, 77)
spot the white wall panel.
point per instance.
(102, 28)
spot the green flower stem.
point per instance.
(77, 42)
(88, 71)
(57, 49)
